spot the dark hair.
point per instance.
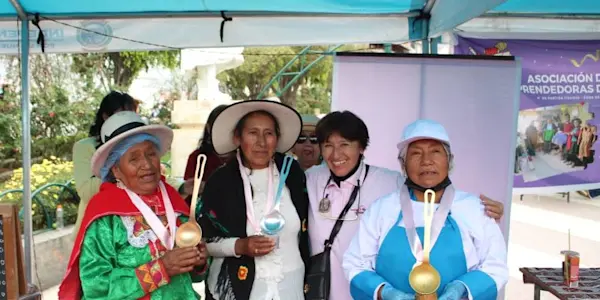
(110, 104)
(239, 127)
(205, 141)
(344, 123)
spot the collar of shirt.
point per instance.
(352, 181)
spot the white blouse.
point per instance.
(279, 274)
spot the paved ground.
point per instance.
(538, 233)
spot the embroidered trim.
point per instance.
(139, 234)
(242, 273)
(304, 225)
(152, 275)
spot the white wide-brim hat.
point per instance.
(122, 125)
(288, 119)
(423, 130)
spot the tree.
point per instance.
(117, 70)
(262, 64)
(60, 106)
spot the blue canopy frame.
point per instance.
(537, 20)
(115, 25)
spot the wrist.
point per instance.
(239, 247)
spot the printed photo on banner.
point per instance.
(554, 140)
(560, 98)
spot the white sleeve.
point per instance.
(491, 275)
(222, 248)
(359, 259)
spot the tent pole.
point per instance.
(26, 146)
(26, 138)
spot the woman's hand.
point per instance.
(182, 260)
(387, 292)
(455, 290)
(493, 209)
(203, 254)
(254, 246)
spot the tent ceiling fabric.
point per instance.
(115, 25)
(120, 7)
(537, 20)
(545, 7)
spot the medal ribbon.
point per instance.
(439, 219)
(167, 237)
(248, 193)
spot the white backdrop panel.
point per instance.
(475, 99)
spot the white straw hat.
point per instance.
(122, 125)
(288, 119)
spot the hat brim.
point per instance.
(404, 144)
(288, 119)
(163, 133)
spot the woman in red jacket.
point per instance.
(213, 160)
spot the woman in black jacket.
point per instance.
(248, 264)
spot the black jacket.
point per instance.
(223, 215)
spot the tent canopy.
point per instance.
(117, 25)
(537, 19)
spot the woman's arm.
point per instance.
(491, 275)
(100, 279)
(86, 184)
(359, 259)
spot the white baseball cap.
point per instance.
(423, 130)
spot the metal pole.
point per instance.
(25, 120)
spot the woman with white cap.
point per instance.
(468, 249)
(340, 190)
(251, 259)
(125, 246)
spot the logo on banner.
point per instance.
(94, 35)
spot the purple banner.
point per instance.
(560, 99)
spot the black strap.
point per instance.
(340, 220)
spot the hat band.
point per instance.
(123, 129)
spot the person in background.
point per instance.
(125, 247)
(86, 184)
(468, 248)
(306, 149)
(213, 160)
(345, 179)
(248, 265)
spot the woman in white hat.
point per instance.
(125, 246)
(468, 249)
(247, 264)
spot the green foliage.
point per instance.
(261, 64)
(117, 70)
(61, 107)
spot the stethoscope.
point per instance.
(325, 203)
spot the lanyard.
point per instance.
(248, 194)
(167, 237)
(439, 219)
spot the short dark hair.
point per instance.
(346, 124)
(112, 102)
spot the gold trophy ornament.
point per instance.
(189, 234)
(424, 278)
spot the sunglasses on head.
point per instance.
(303, 138)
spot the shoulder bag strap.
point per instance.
(340, 220)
